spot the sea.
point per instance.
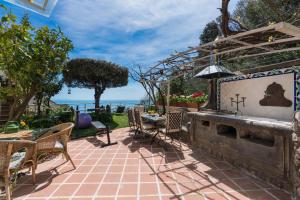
(84, 105)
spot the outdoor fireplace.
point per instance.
(256, 138)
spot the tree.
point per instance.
(48, 90)
(96, 74)
(28, 57)
(259, 13)
(153, 89)
(209, 33)
(248, 15)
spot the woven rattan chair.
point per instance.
(131, 120)
(173, 125)
(141, 127)
(55, 141)
(14, 156)
(140, 108)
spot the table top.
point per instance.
(244, 119)
(24, 134)
(98, 125)
(153, 118)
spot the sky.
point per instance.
(126, 32)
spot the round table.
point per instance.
(23, 134)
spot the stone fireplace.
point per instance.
(258, 137)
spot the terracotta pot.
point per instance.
(181, 104)
(192, 105)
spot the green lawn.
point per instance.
(119, 121)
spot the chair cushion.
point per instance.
(16, 160)
(11, 138)
(147, 126)
(39, 132)
(185, 129)
(164, 130)
(58, 145)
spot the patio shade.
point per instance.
(214, 71)
(42, 7)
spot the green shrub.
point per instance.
(53, 117)
(187, 99)
(103, 117)
(120, 109)
(43, 123)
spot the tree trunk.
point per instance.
(225, 18)
(97, 100)
(12, 109)
(39, 104)
(98, 92)
(17, 110)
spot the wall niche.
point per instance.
(259, 137)
(227, 131)
(205, 123)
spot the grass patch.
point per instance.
(119, 121)
(79, 133)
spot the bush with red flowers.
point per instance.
(197, 94)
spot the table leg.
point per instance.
(153, 138)
(108, 140)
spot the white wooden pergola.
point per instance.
(42, 7)
(258, 44)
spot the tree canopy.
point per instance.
(210, 32)
(29, 58)
(248, 15)
(96, 74)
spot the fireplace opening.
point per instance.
(259, 138)
(228, 131)
(205, 123)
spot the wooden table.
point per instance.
(24, 134)
(156, 120)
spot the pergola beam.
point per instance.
(288, 29)
(263, 68)
(231, 48)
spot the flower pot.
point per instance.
(192, 105)
(180, 104)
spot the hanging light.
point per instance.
(69, 90)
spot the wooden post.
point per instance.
(77, 116)
(168, 96)
(212, 94)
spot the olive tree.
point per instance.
(95, 74)
(29, 58)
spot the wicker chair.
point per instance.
(173, 125)
(131, 120)
(55, 141)
(140, 108)
(12, 159)
(141, 127)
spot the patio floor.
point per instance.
(135, 170)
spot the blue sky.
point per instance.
(127, 32)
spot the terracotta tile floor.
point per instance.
(136, 170)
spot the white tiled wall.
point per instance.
(254, 90)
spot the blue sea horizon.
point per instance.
(90, 104)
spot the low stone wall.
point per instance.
(260, 146)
